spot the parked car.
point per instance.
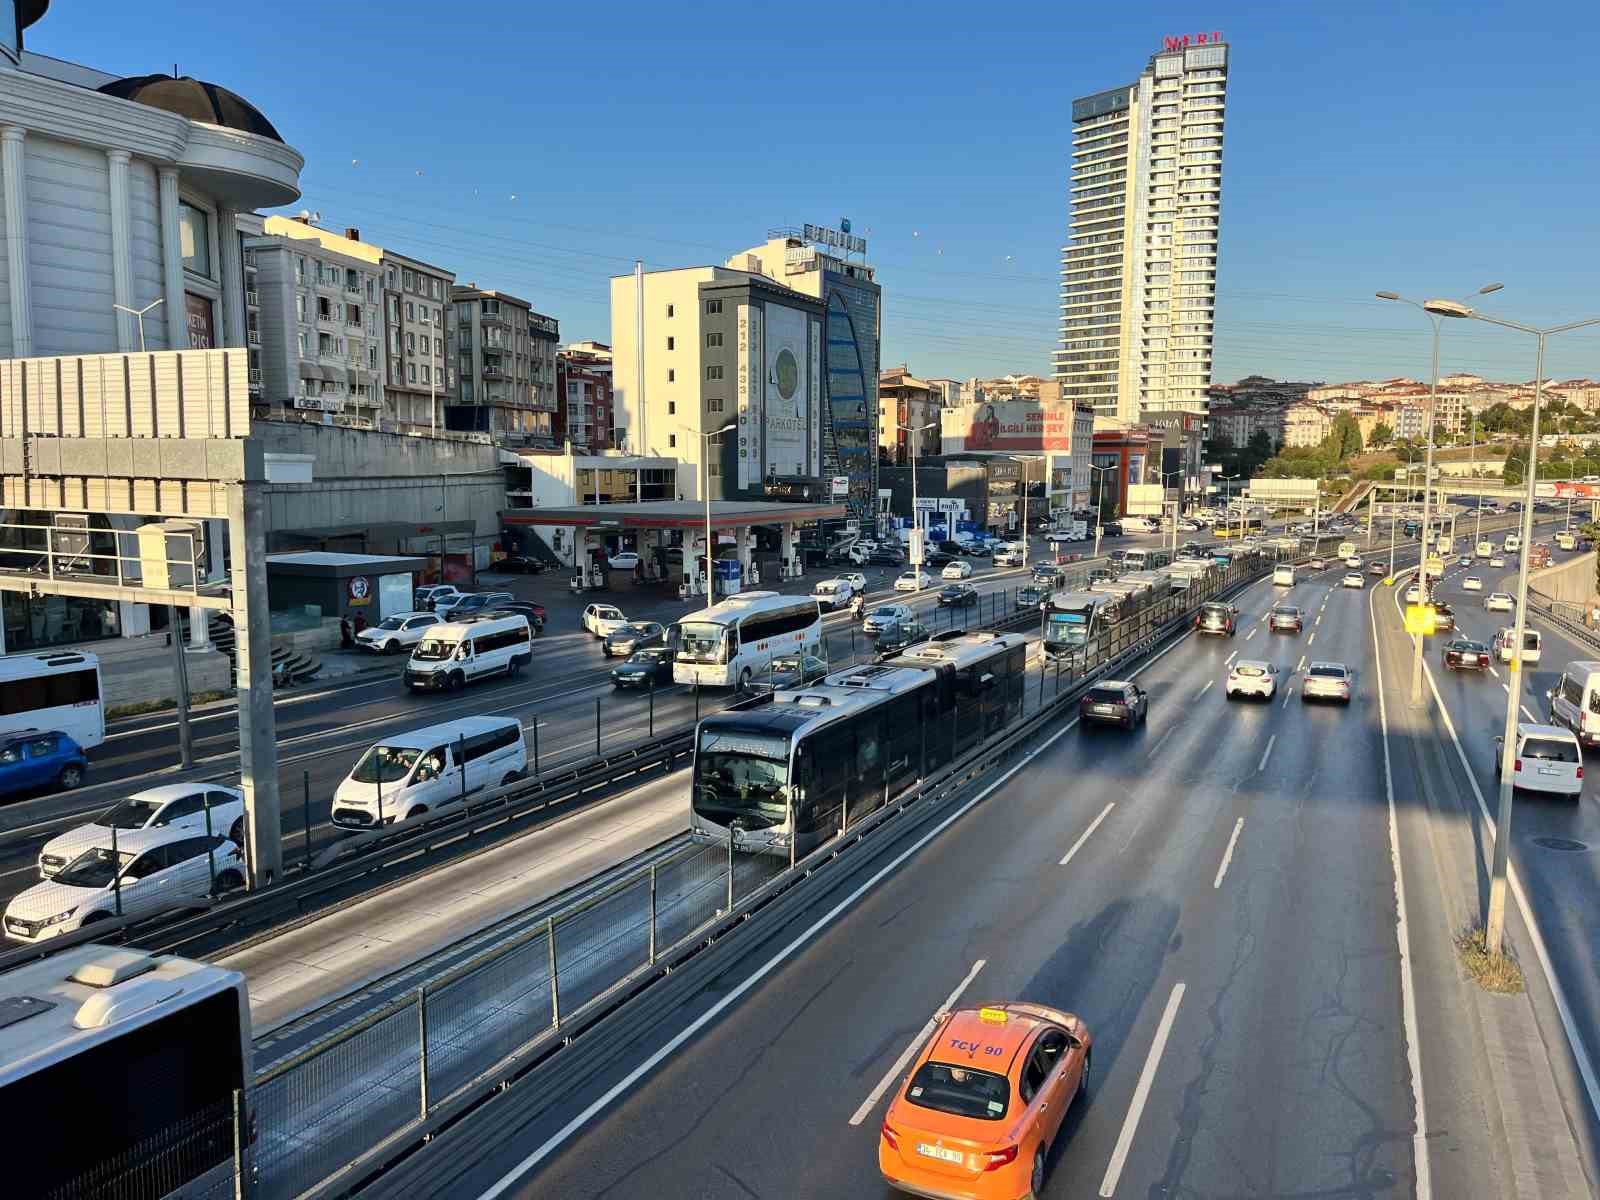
(625, 560)
(601, 619)
(168, 806)
(793, 670)
(394, 634)
(644, 668)
(1112, 529)
(36, 758)
(517, 564)
(471, 604)
(635, 635)
(427, 599)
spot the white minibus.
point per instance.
(451, 655)
(423, 770)
(57, 691)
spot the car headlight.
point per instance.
(64, 916)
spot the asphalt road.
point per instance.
(1223, 920)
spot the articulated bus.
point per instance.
(730, 643)
(118, 1074)
(1074, 621)
(55, 691)
(784, 778)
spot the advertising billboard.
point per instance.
(1007, 425)
(785, 415)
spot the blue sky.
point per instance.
(540, 148)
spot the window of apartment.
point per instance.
(669, 310)
(672, 441)
(672, 375)
(394, 341)
(438, 347)
(372, 357)
(411, 372)
(300, 307)
(427, 375)
(302, 344)
(491, 308)
(713, 339)
(672, 408)
(388, 278)
(371, 289)
(672, 344)
(713, 372)
(411, 281)
(411, 311)
(713, 405)
(194, 239)
(713, 307)
(352, 314)
(434, 291)
(411, 343)
(324, 309)
(713, 468)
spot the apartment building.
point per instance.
(506, 369)
(584, 397)
(908, 417)
(420, 378)
(1138, 280)
(1236, 424)
(1305, 425)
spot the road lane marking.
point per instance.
(1531, 718)
(1249, 635)
(1227, 855)
(1141, 1093)
(1205, 689)
(1267, 753)
(1312, 638)
(1493, 672)
(1301, 665)
(1156, 749)
(1287, 694)
(1084, 837)
(912, 1047)
(1228, 662)
(1318, 621)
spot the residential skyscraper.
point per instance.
(1138, 290)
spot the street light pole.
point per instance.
(1099, 506)
(705, 491)
(1495, 921)
(138, 313)
(1435, 316)
(916, 549)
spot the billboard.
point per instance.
(785, 403)
(1023, 425)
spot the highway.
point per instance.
(1212, 894)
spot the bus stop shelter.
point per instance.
(652, 522)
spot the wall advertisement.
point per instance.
(784, 417)
(1024, 425)
(749, 395)
(814, 397)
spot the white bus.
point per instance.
(58, 692)
(730, 643)
(172, 1034)
(1145, 560)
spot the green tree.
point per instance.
(1344, 438)
(1382, 434)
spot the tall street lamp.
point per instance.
(138, 314)
(705, 491)
(1099, 506)
(916, 554)
(1023, 460)
(1432, 310)
(1494, 925)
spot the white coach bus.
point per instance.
(730, 643)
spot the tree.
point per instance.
(1382, 434)
(1344, 438)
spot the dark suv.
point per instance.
(1219, 619)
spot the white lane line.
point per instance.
(1084, 837)
(1156, 749)
(734, 995)
(912, 1047)
(1287, 694)
(1318, 621)
(1301, 665)
(1529, 715)
(1505, 687)
(1493, 672)
(1228, 662)
(1249, 635)
(1312, 638)
(1141, 1093)
(1205, 689)
(1227, 855)
(1267, 753)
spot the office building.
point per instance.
(1138, 280)
(506, 368)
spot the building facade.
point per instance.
(908, 417)
(584, 397)
(420, 376)
(505, 368)
(1138, 290)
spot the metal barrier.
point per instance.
(341, 1109)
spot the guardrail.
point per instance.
(343, 1109)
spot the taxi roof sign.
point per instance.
(992, 1016)
(1420, 619)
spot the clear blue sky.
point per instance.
(539, 148)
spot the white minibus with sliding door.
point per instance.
(423, 770)
(451, 655)
(57, 691)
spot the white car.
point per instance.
(1547, 759)
(1326, 681)
(833, 594)
(959, 569)
(1472, 584)
(1415, 595)
(627, 560)
(1317, 564)
(1252, 677)
(435, 594)
(393, 634)
(913, 581)
(1499, 602)
(1353, 562)
(601, 619)
(884, 616)
(1354, 579)
(152, 871)
(170, 806)
(1497, 560)
(856, 580)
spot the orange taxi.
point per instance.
(983, 1102)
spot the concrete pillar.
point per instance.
(258, 749)
(232, 276)
(787, 552)
(212, 531)
(13, 179)
(744, 538)
(172, 262)
(121, 249)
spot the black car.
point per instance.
(957, 595)
(1112, 529)
(934, 558)
(1031, 597)
(534, 612)
(886, 556)
(793, 670)
(900, 636)
(1465, 655)
(516, 564)
(635, 635)
(1114, 702)
(1047, 575)
(644, 668)
(1444, 618)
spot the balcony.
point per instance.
(252, 298)
(494, 371)
(253, 336)
(249, 260)
(353, 288)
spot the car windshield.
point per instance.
(1286, 612)
(959, 1091)
(385, 764)
(92, 869)
(629, 631)
(649, 657)
(390, 623)
(742, 776)
(432, 649)
(1326, 672)
(1550, 750)
(129, 814)
(885, 614)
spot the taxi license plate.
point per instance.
(942, 1153)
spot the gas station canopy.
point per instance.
(675, 514)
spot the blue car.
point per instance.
(35, 758)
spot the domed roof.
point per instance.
(195, 99)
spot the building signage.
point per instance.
(751, 435)
(1184, 40)
(359, 589)
(202, 323)
(1566, 490)
(841, 487)
(839, 239)
(785, 404)
(1006, 425)
(814, 398)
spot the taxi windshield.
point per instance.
(742, 776)
(960, 1091)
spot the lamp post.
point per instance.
(138, 314)
(1024, 460)
(1099, 505)
(1494, 924)
(1177, 506)
(1435, 314)
(915, 548)
(705, 491)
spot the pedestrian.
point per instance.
(345, 640)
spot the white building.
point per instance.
(1305, 425)
(1138, 290)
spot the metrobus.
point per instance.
(124, 1069)
(784, 778)
(1145, 560)
(1347, 549)
(732, 642)
(1075, 620)
(57, 692)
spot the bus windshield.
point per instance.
(385, 764)
(1068, 628)
(433, 650)
(742, 777)
(703, 641)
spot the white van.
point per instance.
(1547, 759)
(1484, 549)
(1283, 575)
(1566, 540)
(833, 594)
(1506, 639)
(1139, 525)
(1575, 701)
(449, 656)
(1512, 544)
(424, 770)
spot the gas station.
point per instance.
(670, 538)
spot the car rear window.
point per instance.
(1550, 750)
(960, 1091)
(1328, 672)
(1286, 612)
(1248, 672)
(1105, 695)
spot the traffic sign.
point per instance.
(1420, 619)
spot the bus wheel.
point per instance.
(744, 680)
(457, 681)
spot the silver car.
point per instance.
(1326, 681)
(885, 615)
